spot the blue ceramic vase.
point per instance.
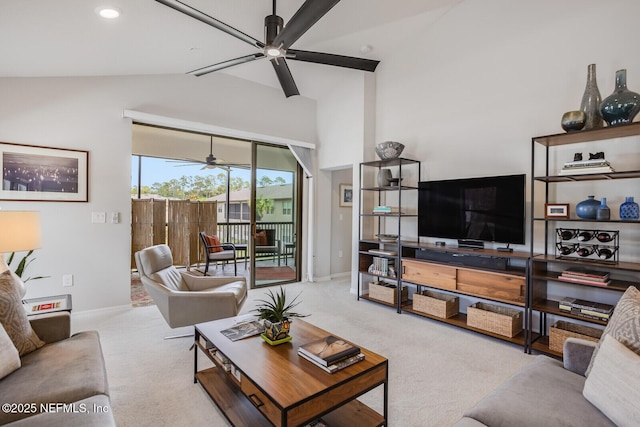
(629, 209)
(588, 209)
(622, 105)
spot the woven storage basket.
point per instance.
(387, 293)
(494, 318)
(562, 330)
(436, 303)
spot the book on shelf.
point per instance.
(586, 272)
(385, 210)
(584, 281)
(586, 163)
(587, 170)
(383, 252)
(336, 366)
(580, 306)
(382, 266)
(328, 350)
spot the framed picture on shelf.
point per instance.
(556, 210)
(346, 195)
(36, 173)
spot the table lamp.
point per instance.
(19, 231)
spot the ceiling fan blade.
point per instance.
(209, 20)
(331, 59)
(226, 64)
(184, 161)
(308, 14)
(284, 76)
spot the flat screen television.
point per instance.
(487, 209)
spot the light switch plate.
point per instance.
(98, 217)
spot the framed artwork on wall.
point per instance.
(346, 195)
(44, 174)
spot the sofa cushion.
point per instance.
(62, 372)
(624, 324)
(613, 386)
(13, 317)
(9, 357)
(542, 393)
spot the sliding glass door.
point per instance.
(276, 215)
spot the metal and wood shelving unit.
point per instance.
(407, 173)
(548, 266)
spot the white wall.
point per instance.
(86, 113)
(467, 94)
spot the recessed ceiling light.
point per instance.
(108, 12)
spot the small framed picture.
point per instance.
(556, 210)
(346, 195)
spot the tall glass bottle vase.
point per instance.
(622, 105)
(591, 101)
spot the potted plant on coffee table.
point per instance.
(277, 314)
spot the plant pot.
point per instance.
(277, 331)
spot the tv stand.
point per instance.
(470, 244)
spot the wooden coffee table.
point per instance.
(274, 386)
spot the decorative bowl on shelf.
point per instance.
(389, 150)
(394, 182)
(387, 238)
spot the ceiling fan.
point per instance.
(211, 161)
(278, 40)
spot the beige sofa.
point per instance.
(63, 383)
(595, 384)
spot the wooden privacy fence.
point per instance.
(174, 222)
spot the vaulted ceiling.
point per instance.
(68, 38)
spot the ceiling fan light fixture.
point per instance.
(108, 12)
(273, 51)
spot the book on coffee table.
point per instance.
(328, 350)
(244, 329)
(341, 364)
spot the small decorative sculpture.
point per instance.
(596, 156)
(577, 157)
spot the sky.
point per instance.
(159, 170)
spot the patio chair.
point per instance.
(214, 251)
(266, 243)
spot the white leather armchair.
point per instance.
(185, 299)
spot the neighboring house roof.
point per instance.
(274, 192)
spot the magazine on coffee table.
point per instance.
(244, 329)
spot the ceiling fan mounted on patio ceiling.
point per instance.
(211, 161)
(278, 40)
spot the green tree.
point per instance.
(265, 181)
(263, 206)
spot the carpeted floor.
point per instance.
(436, 371)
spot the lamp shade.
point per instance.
(19, 231)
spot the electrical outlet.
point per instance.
(67, 280)
(115, 217)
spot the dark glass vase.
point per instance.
(591, 101)
(622, 105)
